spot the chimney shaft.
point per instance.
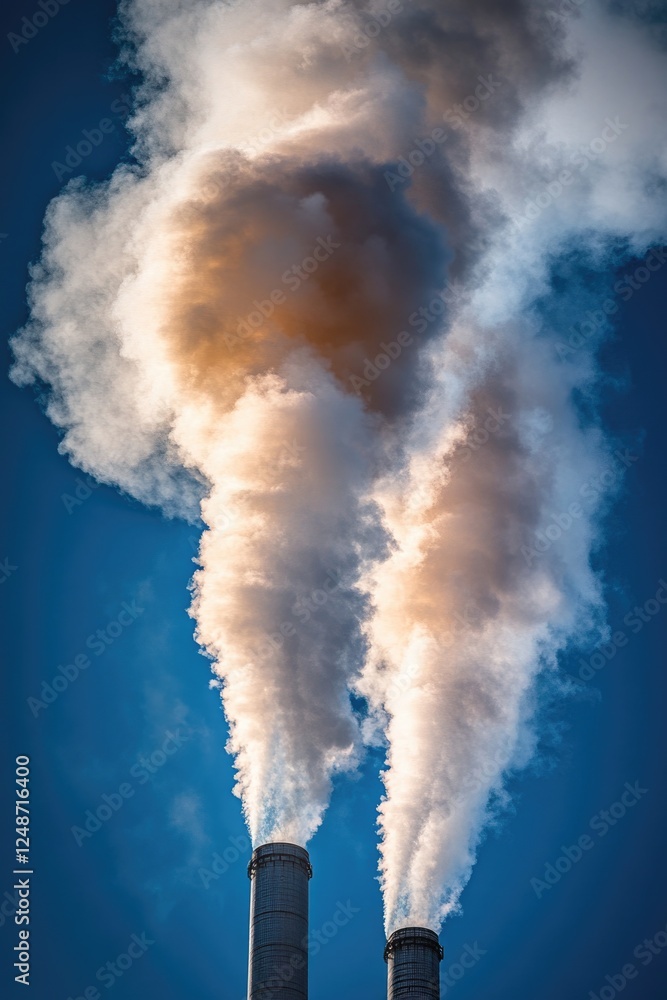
(278, 964)
(413, 956)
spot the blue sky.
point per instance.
(143, 699)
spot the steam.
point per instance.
(499, 505)
(322, 315)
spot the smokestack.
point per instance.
(413, 955)
(278, 964)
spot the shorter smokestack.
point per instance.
(278, 967)
(413, 955)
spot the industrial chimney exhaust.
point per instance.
(278, 963)
(413, 955)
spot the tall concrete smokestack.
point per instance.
(413, 955)
(278, 964)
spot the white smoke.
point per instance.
(505, 479)
(217, 328)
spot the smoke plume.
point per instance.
(327, 309)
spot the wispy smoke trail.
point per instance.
(321, 313)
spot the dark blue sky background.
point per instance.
(141, 872)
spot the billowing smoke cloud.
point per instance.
(498, 509)
(326, 313)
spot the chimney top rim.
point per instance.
(413, 935)
(277, 851)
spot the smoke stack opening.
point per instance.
(278, 961)
(413, 956)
